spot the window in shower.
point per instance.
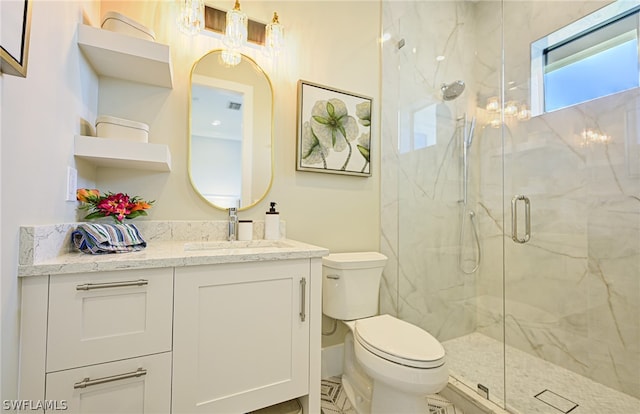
(417, 128)
(593, 57)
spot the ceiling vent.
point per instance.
(235, 106)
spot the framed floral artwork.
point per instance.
(334, 131)
(14, 49)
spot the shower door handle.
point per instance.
(514, 219)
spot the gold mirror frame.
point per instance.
(225, 74)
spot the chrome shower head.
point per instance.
(452, 90)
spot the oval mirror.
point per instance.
(230, 131)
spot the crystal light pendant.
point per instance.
(511, 108)
(235, 35)
(191, 17)
(230, 57)
(493, 104)
(274, 37)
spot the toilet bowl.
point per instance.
(390, 365)
(405, 362)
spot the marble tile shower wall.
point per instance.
(573, 292)
(421, 186)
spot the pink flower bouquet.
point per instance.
(117, 205)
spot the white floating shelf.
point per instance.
(106, 152)
(126, 57)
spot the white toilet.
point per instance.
(390, 366)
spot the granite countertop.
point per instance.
(47, 250)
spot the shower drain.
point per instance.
(556, 401)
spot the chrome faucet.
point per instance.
(233, 224)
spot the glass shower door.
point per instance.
(571, 283)
(442, 218)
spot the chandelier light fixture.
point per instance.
(239, 30)
(191, 17)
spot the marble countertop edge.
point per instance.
(162, 254)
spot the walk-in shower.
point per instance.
(549, 325)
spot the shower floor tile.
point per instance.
(334, 401)
(477, 358)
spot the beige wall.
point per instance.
(331, 43)
(324, 45)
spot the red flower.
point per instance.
(119, 206)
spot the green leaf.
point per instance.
(315, 145)
(331, 110)
(136, 213)
(95, 214)
(364, 151)
(321, 120)
(342, 131)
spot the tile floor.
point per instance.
(334, 401)
(534, 386)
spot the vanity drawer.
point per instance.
(137, 385)
(100, 317)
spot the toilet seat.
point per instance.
(399, 342)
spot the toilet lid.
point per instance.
(399, 342)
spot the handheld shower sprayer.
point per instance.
(468, 217)
(469, 137)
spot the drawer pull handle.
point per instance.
(87, 382)
(90, 286)
(303, 299)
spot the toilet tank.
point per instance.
(351, 284)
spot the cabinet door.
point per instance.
(137, 385)
(101, 317)
(241, 341)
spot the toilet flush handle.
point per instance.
(336, 277)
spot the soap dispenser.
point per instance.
(272, 223)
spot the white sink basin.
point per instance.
(248, 244)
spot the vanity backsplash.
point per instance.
(43, 243)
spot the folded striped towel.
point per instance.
(92, 238)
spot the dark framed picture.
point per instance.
(334, 131)
(16, 24)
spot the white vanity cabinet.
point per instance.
(242, 336)
(101, 342)
(226, 331)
